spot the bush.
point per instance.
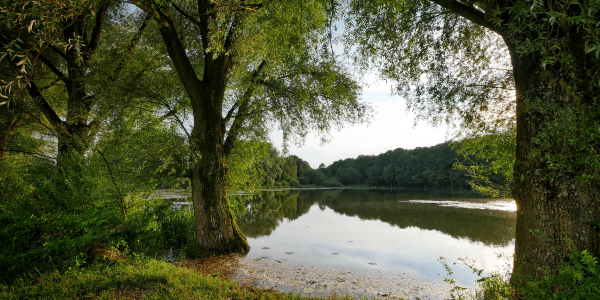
(157, 227)
(294, 182)
(54, 225)
(577, 278)
(332, 182)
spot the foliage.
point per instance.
(158, 226)
(245, 174)
(30, 27)
(143, 153)
(282, 171)
(457, 292)
(53, 226)
(577, 278)
(143, 278)
(427, 167)
(447, 68)
(489, 160)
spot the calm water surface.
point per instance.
(393, 231)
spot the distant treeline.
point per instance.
(429, 167)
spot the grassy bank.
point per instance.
(131, 279)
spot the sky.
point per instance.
(391, 128)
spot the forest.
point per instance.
(104, 101)
(420, 168)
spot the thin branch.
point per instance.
(187, 16)
(250, 7)
(53, 83)
(59, 52)
(237, 103)
(112, 178)
(470, 13)
(158, 16)
(45, 107)
(134, 41)
(229, 39)
(231, 111)
(54, 69)
(95, 37)
(35, 117)
(27, 152)
(489, 86)
(240, 117)
(174, 115)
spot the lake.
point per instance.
(390, 231)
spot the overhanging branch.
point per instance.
(468, 12)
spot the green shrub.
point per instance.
(577, 278)
(157, 226)
(332, 182)
(54, 225)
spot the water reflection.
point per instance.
(379, 230)
(492, 226)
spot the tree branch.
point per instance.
(470, 13)
(27, 152)
(183, 66)
(230, 35)
(151, 11)
(203, 10)
(187, 16)
(174, 114)
(112, 178)
(53, 83)
(134, 41)
(95, 37)
(54, 70)
(59, 52)
(45, 107)
(489, 86)
(35, 117)
(250, 7)
(243, 104)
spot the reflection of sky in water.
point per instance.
(314, 236)
(493, 205)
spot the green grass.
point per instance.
(137, 279)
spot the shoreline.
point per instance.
(321, 281)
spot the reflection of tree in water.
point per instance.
(266, 212)
(490, 227)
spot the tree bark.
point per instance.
(216, 229)
(556, 210)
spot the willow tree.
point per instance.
(449, 57)
(247, 66)
(66, 55)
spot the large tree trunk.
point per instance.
(216, 229)
(556, 209)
